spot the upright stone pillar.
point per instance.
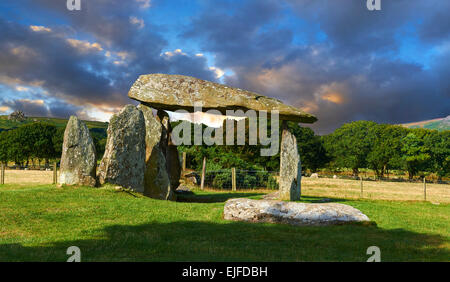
(290, 166)
(156, 179)
(124, 160)
(173, 162)
(78, 160)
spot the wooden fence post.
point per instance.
(203, 174)
(2, 177)
(424, 188)
(184, 162)
(55, 173)
(362, 189)
(233, 178)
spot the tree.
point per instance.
(415, 154)
(386, 148)
(350, 145)
(4, 135)
(58, 140)
(311, 149)
(439, 149)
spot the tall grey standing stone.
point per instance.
(124, 160)
(156, 178)
(290, 167)
(173, 162)
(78, 160)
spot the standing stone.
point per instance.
(78, 160)
(156, 178)
(173, 162)
(124, 160)
(290, 167)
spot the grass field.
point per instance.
(318, 187)
(379, 190)
(39, 223)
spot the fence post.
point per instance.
(2, 177)
(184, 162)
(233, 178)
(424, 188)
(203, 174)
(55, 173)
(362, 189)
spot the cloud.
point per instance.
(138, 22)
(219, 72)
(37, 28)
(341, 62)
(84, 46)
(144, 4)
(94, 61)
(336, 60)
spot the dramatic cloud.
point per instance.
(94, 62)
(342, 62)
(334, 59)
(40, 108)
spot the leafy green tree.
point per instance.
(4, 143)
(311, 149)
(439, 149)
(386, 148)
(415, 154)
(350, 145)
(58, 140)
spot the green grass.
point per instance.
(39, 223)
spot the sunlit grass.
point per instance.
(39, 223)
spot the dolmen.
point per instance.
(141, 154)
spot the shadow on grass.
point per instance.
(237, 241)
(212, 197)
(217, 197)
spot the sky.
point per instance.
(334, 59)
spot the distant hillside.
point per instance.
(94, 126)
(440, 124)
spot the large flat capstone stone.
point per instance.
(291, 213)
(174, 92)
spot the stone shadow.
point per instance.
(212, 197)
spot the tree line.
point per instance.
(38, 141)
(384, 147)
(356, 145)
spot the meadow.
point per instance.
(39, 223)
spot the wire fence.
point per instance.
(17, 175)
(243, 179)
(365, 177)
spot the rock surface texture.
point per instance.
(124, 160)
(156, 179)
(291, 213)
(78, 161)
(174, 92)
(290, 167)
